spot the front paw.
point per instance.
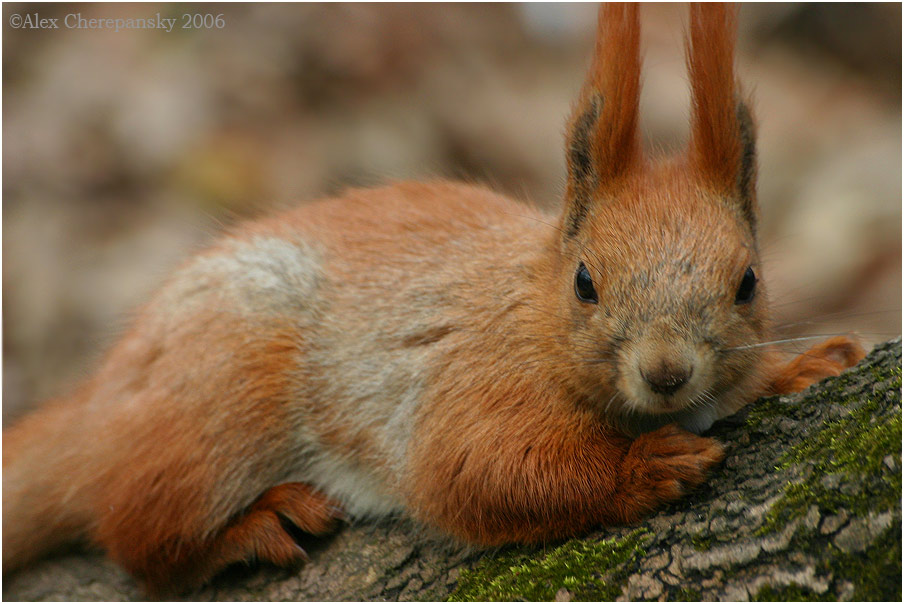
(661, 466)
(823, 360)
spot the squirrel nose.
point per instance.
(667, 379)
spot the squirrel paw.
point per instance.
(661, 466)
(265, 532)
(823, 360)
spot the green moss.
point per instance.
(835, 389)
(687, 594)
(854, 445)
(702, 542)
(764, 409)
(788, 593)
(883, 374)
(875, 573)
(590, 570)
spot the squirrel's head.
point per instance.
(658, 261)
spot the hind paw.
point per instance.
(265, 531)
(823, 360)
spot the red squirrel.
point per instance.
(498, 373)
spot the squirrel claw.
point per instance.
(262, 533)
(301, 505)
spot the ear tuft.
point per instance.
(747, 173)
(582, 177)
(723, 138)
(602, 140)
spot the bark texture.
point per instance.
(807, 505)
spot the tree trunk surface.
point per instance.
(807, 505)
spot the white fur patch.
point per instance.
(262, 276)
(699, 420)
(359, 490)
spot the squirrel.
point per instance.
(497, 373)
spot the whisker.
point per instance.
(842, 314)
(709, 398)
(761, 344)
(775, 305)
(800, 339)
(611, 399)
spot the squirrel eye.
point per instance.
(747, 289)
(583, 285)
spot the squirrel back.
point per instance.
(498, 373)
(255, 365)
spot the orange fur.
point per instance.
(431, 348)
(715, 142)
(614, 82)
(722, 130)
(602, 144)
(823, 360)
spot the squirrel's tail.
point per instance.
(45, 504)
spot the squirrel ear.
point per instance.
(723, 137)
(602, 141)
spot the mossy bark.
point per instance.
(806, 506)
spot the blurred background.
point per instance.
(123, 151)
